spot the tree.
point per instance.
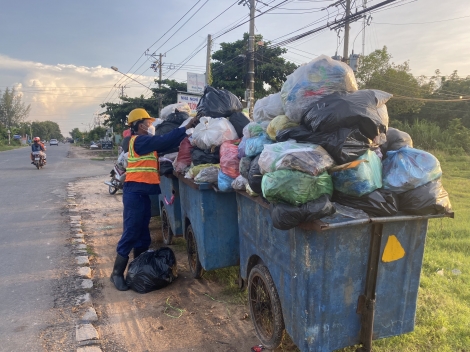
(76, 134)
(12, 109)
(229, 71)
(46, 130)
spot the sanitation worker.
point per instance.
(142, 180)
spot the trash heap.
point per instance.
(318, 145)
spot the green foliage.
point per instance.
(45, 130)
(12, 110)
(76, 134)
(229, 71)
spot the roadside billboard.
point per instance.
(191, 99)
(196, 83)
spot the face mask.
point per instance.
(151, 130)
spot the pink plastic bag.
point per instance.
(229, 162)
(183, 160)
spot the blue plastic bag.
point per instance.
(255, 145)
(359, 177)
(224, 182)
(408, 168)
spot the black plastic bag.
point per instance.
(428, 199)
(364, 108)
(177, 117)
(166, 127)
(254, 176)
(218, 103)
(244, 167)
(377, 204)
(396, 139)
(344, 145)
(166, 168)
(152, 270)
(208, 156)
(286, 217)
(239, 121)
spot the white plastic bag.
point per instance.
(267, 108)
(189, 131)
(122, 160)
(170, 109)
(310, 82)
(212, 132)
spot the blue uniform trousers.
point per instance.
(136, 220)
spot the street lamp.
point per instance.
(117, 70)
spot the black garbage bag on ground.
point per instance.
(286, 216)
(377, 204)
(166, 168)
(152, 270)
(428, 199)
(207, 156)
(364, 108)
(239, 121)
(254, 176)
(344, 145)
(396, 139)
(218, 103)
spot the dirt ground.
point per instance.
(188, 315)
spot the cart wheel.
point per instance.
(112, 190)
(193, 257)
(167, 233)
(265, 307)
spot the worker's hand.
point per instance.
(191, 123)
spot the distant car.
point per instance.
(54, 142)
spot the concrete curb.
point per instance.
(86, 335)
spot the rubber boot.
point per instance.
(139, 251)
(117, 277)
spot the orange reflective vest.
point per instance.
(142, 168)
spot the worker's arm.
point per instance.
(146, 144)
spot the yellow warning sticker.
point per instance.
(393, 250)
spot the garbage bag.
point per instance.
(212, 132)
(286, 216)
(229, 162)
(208, 175)
(195, 170)
(428, 199)
(308, 158)
(277, 124)
(178, 117)
(244, 166)
(239, 183)
(253, 129)
(241, 148)
(295, 187)
(152, 270)
(166, 168)
(377, 203)
(409, 168)
(254, 176)
(170, 109)
(122, 160)
(224, 182)
(250, 191)
(255, 145)
(166, 127)
(396, 139)
(218, 103)
(344, 145)
(359, 177)
(239, 121)
(207, 156)
(268, 108)
(313, 81)
(183, 160)
(365, 109)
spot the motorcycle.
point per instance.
(38, 160)
(118, 177)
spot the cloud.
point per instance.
(64, 93)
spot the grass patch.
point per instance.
(98, 159)
(9, 147)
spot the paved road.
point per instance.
(33, 239)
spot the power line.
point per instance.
(411, 23)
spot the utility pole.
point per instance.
(364, 6)
(346, 32)
(251, 62)
(121, 87)
(160, 85)
(208, 60)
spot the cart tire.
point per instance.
(167, 233)
(112, 190)
(265, 307)
(193, 256)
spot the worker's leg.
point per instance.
(144, 241)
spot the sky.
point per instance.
(57, 54)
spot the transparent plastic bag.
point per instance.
(229, 162)
(195, 170)
(224, 182)
(239, 183)
(408, 168)
(268, 108)
(308, 158)
(295, 187)
(208, 175)
(255, 145)
(279, 123)
(212, 132)
(122, 160)
(253, 129)
(170, 109)
(359, 177)
(312, 81)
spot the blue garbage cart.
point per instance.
(210, 226)
(170, 208)
(330, 285)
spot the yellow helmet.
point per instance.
(138, 114)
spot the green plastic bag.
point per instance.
(295, 187)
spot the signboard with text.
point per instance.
(191, 99)
(196, 82)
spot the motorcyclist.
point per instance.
(37, 146)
